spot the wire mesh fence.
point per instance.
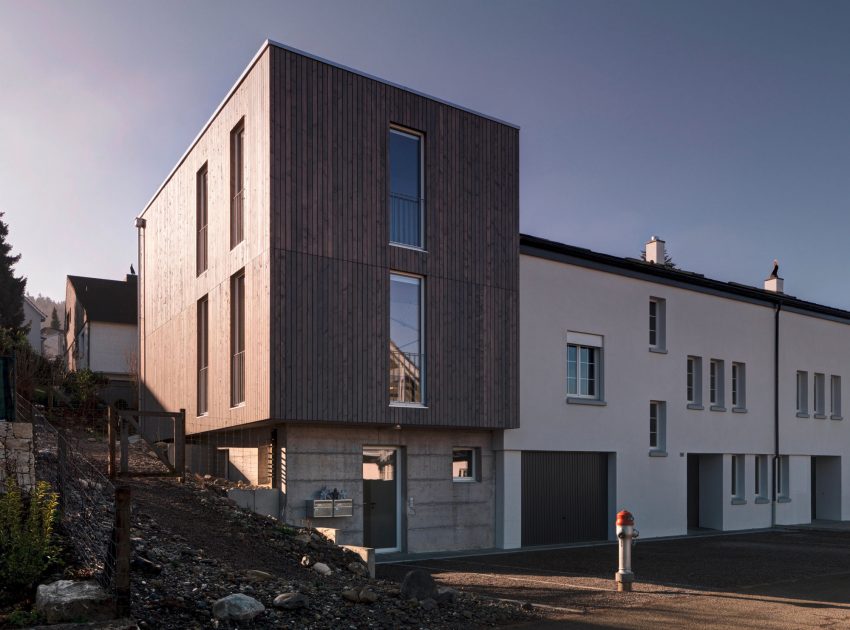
(94, 513)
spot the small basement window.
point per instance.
(464, 464)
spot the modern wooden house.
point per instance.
(329, 287)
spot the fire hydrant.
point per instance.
(626, 534)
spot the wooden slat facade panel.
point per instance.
(331, 259)
(171, 286)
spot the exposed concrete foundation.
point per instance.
(437, 513)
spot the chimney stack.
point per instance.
(775, 284)
(655, 251)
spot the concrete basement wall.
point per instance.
(438, 514)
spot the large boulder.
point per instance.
(237, 607)
(66, 600)
(419, 585)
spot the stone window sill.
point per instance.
(658, 350)
(762, 500)
(836, 418)
(739, 410)
(657, 452)
(717, 408)
(820, 416)
(783, 500)
(800, 414)
(696, 406)
(572, 400)
(738, 501)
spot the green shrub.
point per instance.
(23, 618)
(27, 544)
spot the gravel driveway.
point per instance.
(779, 579)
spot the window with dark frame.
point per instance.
(201, 214)
(739, 386)
(406, 174)
(464, 464)
(237, 339)
(407, 359)
(237, 184)
(653, 322)
(802, 392)
(203, 354)
(657, 317)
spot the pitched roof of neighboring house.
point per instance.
(37, 310)
(112, 301)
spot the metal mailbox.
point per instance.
(328, 508)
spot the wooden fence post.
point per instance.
(62, 473)
(121, 536)
(180, 444)
(124, 430)
(111, 436)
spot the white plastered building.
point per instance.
(672, 395)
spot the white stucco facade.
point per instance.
(609, 306)
(34, 318)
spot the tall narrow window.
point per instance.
(761, 478)
(406, 187)
(739, 387)
(407, 360)
(835, 397)
(657, 332)
(782, 473)
(715, 385)
(201, 219)
(694, 382)
(203, 353)
(237, 184)
(820, 396)
(802, 393)
(738, 485)
(657, 426)
(237, 339)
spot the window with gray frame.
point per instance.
(201, 216)
(802, 393)
(694, 382)
(820, 396)
(657, 321)
(738, 485)
(237, 184)
(583, 371)
(237, 339)
(406, 174)
(716, 394)
(835, 397)
(407, 360)
(657, 426)
(761, 477)
(739, 386)
(203, 354)
(783, 480)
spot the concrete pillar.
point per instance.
(509, 499)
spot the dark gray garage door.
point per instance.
(564, 497)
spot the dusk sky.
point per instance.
(722, 127)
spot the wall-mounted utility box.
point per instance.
(329, 508)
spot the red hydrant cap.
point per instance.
(625, 518)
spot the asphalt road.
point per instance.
(777, 579)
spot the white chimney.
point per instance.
(775, 284)
(655, 251)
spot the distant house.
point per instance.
(101, 331)
(34, 317)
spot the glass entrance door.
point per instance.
(381, 499)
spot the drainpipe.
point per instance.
(776, 309)
(141, 224)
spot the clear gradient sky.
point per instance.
(723, 127)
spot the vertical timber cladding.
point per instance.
(564, 497)
(331, 257)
